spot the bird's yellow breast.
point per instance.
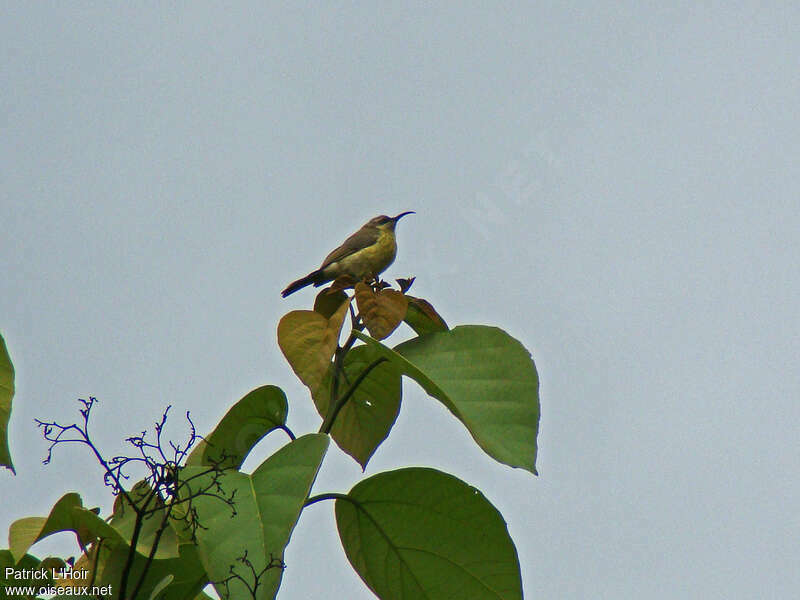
(369, 262)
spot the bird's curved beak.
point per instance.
(408, 212)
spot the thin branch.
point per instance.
(160, 491)
(329, 496)
(137, 531)
(112, 476)
(274, 563)
(159, 532)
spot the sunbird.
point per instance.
(363, 256)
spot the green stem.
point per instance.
(330, 496)
(141, 513)
(288, 432)
(338, 368)
(151, 556)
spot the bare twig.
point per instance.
(161, 490)
(253, 575)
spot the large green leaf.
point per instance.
(367, 417)
(421, 533)
(268, 504)
(6, 394)
(67, 514)
(250, 419)
(486, 378)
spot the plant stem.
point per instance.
(338, 368)
(328, 425)
(330, 496)
(137, 530)
(126, 569)
(161, 528)
(288, 432)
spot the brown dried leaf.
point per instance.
(381, 311)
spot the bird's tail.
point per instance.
(315, 277)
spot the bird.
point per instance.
(362, 256)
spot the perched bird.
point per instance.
(364, 255)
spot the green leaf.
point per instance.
(422, 317)
(53, 563)
(67, 514)
(250, 419)
(124, 521)
(421, 533)
(7, 560)
(184, 575)
(6, 394)
(160, 586)
(484, 377)
(187, 572)
(367, 417)
(308, 341)
(20, 572)
(268, 504)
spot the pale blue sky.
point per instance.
(614, 184)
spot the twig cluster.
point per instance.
(164, 493)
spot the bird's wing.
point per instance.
(359, 240)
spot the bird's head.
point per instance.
(387, 223)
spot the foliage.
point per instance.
(386, 521)
(6, 394)
(193, 517)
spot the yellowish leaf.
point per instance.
(328, 301)
(308, 341)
